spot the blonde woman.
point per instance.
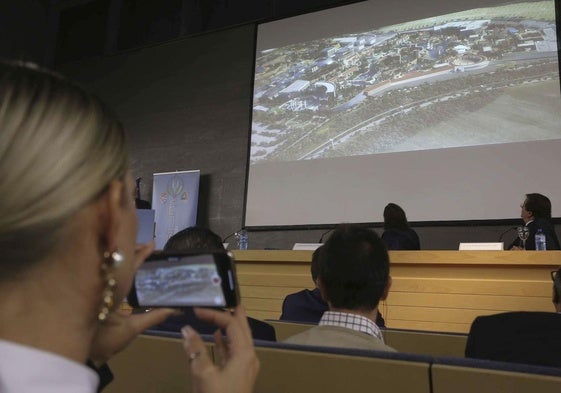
(67, 239)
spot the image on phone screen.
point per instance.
(186, 281)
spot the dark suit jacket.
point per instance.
(259, 330)
(401, 239)
(551, 240)
(308, 306)
(518, 337)
(303, 306)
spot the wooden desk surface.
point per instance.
(549, 258)
(432, 290)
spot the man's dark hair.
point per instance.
(354, 268)
(557, 287)
(194, 238)
(394, 217)
(539, 205)
(314, 268)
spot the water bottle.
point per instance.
(242, 239)
(540, 240)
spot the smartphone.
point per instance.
(202, 279)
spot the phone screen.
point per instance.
(206, 279)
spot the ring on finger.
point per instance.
(194, 355)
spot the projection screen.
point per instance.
(451, 109)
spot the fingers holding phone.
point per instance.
(120, 329)
(239, 366)
(203, 279)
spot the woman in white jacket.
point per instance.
(67, 239)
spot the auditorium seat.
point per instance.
(464, 375)
(155, 362)
(427, 343)
(412, 341)
(285, 329)
(305, 369)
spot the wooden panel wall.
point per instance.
(432, 290)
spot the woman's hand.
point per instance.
(238, 362)
(119, 329)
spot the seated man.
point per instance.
(197, 238)
(308, 306)
(535, 211)
(192, 239)
(353, 278)
(519, 337)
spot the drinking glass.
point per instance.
(523, 233)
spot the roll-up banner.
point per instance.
(175, 198)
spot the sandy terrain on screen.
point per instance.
(523, 113)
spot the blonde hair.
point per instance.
(59, 149)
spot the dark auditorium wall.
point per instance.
(23, 27)
(186, 105)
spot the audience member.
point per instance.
(353, 278)
(194, 238)
(198, 238)
(398, 235)
(306, 305)
(520, 337)
(67, 233)
(309, 306)
(536, 214)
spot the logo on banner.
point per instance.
(175, 191)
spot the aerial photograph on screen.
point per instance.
(480, 76)
(179, 284)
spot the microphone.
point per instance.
(230, 235)
(505, 232)
(323, 234)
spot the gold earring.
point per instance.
(111, 261)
